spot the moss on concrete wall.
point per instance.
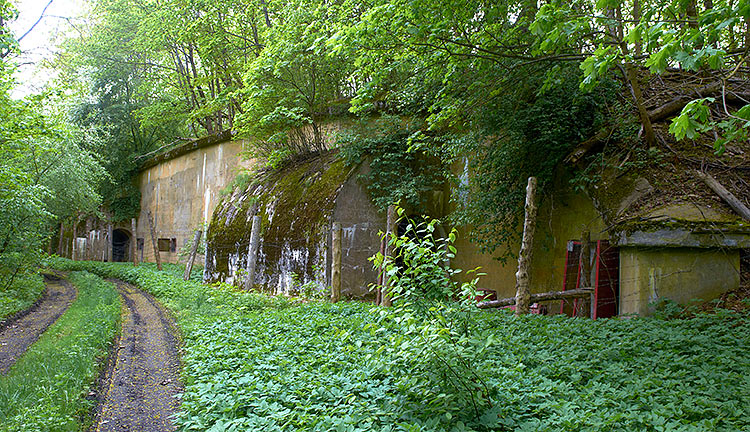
(296, 204)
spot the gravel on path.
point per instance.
(142, 383)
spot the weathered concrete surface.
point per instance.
(297, 206)
(360, 223)
(180, 187)
(678, 274)
(183, 191)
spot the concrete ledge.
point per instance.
(187, 148)
(685, 238)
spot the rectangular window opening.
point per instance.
(164, 244)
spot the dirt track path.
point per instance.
(143, 380)
(17, 335)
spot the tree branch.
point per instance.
(37, 21)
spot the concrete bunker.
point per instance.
(297, 206)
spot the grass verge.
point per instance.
(24, 291)
(255, 363)
(46, 390)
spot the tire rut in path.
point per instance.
(17, 335)
(142, 384)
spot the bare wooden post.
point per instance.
(336, 262)
(73, 250)
(153, 241)
(193, 251)
(252, 254)
(88, 248)
(134, 242)
(524, 256)
(60, 242)
(390, 229)
(110, 242)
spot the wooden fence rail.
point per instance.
(553, 295)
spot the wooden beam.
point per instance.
(193, 251)
(727, 196)
(535, 298)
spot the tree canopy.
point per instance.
(515, 84)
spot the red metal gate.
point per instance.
(605, 265)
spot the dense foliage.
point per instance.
(514, 84)
(47, 175)
(403, 164)
(47, 389)
(20, 295)
(252, 362)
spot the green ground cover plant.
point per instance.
(23, 292)
(257, 363)
(46, 390)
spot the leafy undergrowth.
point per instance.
(356, 367)
(190, 300)
(46, 389)
(24, 291)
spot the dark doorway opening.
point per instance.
(120, 245)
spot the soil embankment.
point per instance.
(143, 380)
(17, 334)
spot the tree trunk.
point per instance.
(524, 256)
(74, 246)
(89, 246)
(679, 102)
(336, 262)
(637, 19)
(153, 241)
(635, 88)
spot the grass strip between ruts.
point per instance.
(46, 390)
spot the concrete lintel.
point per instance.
(685, 238)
